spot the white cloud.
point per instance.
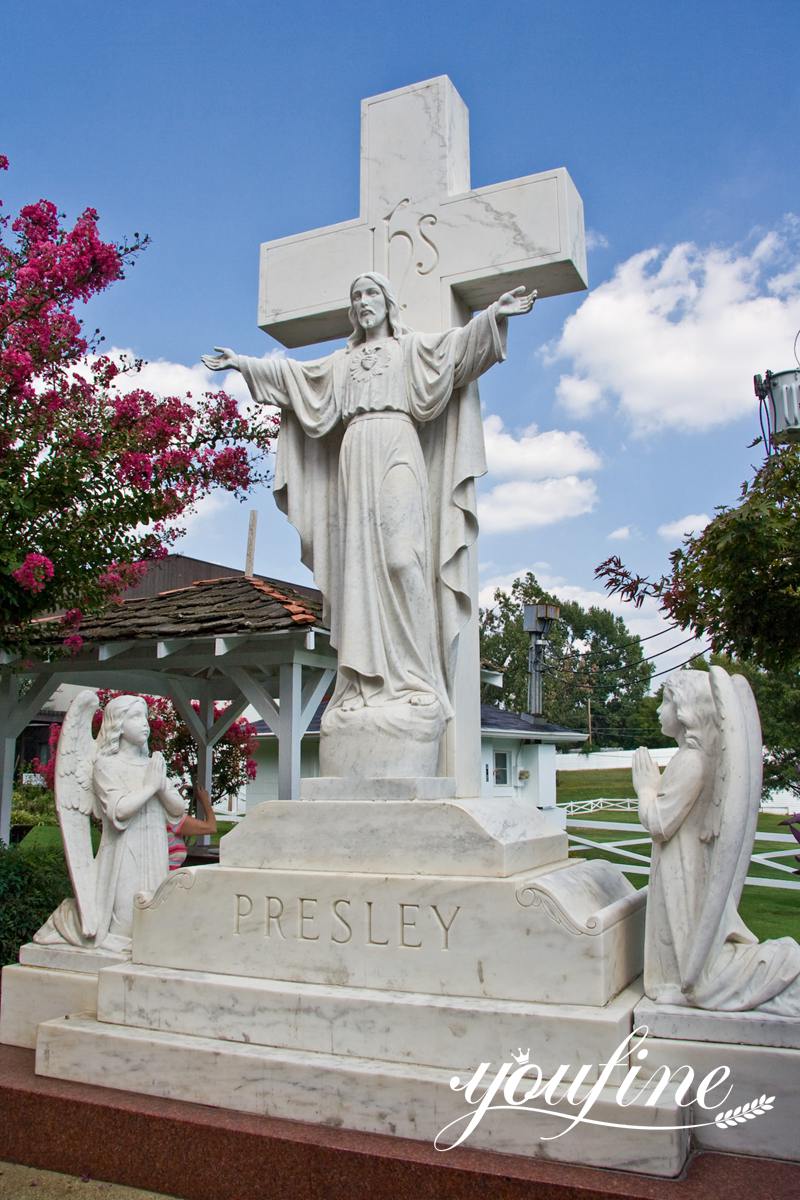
(533, 455)
(620, 535)
(525, 504)
(579, 396)
(165, 378)
(676, 336)
(677, 530)
(596, 240)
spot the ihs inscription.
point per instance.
(404, 925)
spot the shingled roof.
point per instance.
(493, 720)
(207, 608)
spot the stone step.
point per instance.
(454, 1033)
(354, 1093)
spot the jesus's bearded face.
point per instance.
(369, 302)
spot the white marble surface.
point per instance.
(403, 1027)
(484, 836)
(333, 787)
(571, 935)
(70, 958)
(31, 995)
(414, 167)
(755, 1071)
(354, 1092)
(700, 1025)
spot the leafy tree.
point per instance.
(590, 660)
(738, 581)
(93, 481)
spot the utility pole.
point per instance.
(251, 544)
(589, 716)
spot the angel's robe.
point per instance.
(739, 973)
(133, 855)
(377, 458)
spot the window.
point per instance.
(501, 768)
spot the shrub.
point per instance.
(33, 882)
(32, 804)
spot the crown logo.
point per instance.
(522, 1056)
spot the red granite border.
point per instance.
(200, 1153)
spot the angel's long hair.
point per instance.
(396, 324)
(114, 715)
(690, 692)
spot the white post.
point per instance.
(204, 750)
(8, 745)
(290, 730)
(251, 545)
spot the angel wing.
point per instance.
(75, 803)
(752, 731)
(731, 823)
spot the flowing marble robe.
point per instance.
(377, 458)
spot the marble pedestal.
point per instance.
(48, 982)
(763, 1054)
(345, 959)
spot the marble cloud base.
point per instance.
(344, 960)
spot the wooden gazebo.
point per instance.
(238, 639)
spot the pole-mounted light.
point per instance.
(779, 394)
(536, 621)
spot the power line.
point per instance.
(634, 641)
(618, 670)
(699, 654)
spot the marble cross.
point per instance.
(448, 249)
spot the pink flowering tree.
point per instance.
(94, 479)
(233, 762)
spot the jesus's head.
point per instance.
(372, 298)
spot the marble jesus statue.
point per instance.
(379, 448)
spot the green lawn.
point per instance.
(49, 836)
(614, 784)
(769, 912)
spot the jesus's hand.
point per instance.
(224, 360)
(512, 304)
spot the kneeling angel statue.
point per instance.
(702, 814)
(115, 779)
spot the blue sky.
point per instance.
(214, 128)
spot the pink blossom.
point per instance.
(136, 469)
(36, 571)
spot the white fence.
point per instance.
(626, 850)
(605, 760)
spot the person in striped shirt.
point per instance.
(188, 826)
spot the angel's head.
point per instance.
(687, 711)
(124, 719)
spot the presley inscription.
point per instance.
(365, 922)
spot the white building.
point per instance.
(518, 757)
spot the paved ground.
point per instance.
(29, 1183)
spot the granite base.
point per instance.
(185, 1150)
